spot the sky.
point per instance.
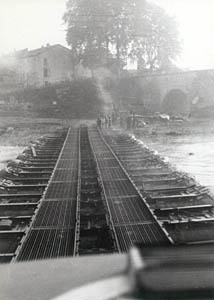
(195, 20)
(33, 23)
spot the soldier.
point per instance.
(99, 123)
(109, 121)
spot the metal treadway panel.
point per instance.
(146, 234)
(52, 232)
(67, 164)
(128, 210)
(48, 243)
(61, 190)
(119, 188)
(64, 175)
(69, 155)
(60, 214)
(113, 173)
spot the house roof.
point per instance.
(43, 49)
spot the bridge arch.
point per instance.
(175, 102)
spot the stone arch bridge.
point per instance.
(179, 90)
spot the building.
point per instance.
(42, 66)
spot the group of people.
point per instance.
(124, 120)
(107, 120)
(131, 121)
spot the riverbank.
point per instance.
(177, 127)
(17, 133)
(21, 131)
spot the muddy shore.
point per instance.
(21, 131)
(177, 128)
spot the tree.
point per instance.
(100, 30)
(96, 31)
(157, 44)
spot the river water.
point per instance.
(193, 154)
(8, 153)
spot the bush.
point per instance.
(77, 99)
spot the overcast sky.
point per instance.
(33, 23)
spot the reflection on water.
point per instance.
(191, 154)
(8, 153)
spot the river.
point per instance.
(192, 153)
(8, 153)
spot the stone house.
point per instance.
(40, 67)
(46, 65)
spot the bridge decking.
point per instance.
(132, 220)
(66, 219)
(96, 197)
